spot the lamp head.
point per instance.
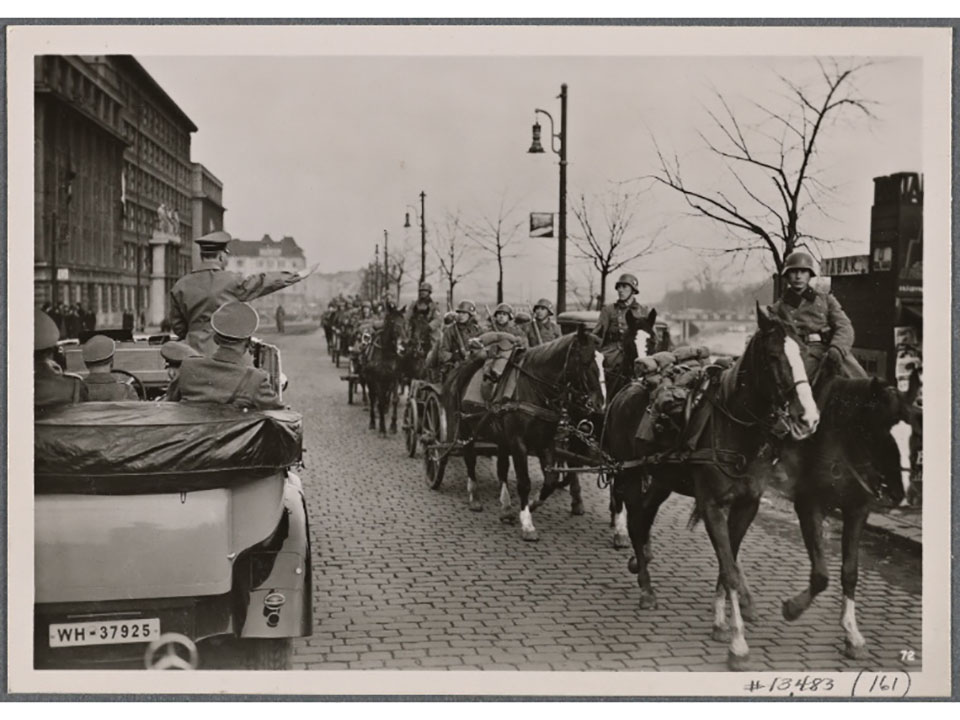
(535, 146)
(406, 221)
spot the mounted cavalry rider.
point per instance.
(424, 309)
(503, 322)
(820, 321)
(612, 325)
(542, 329)
(453, 342)
(196, 296)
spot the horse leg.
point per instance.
(854, 519)
(373, 410)
(713, 517)
(473, 493)
(383, 401)
(576, 494)
(550, 483)
(618, 517)
(640, 509)
(527, 530)
(741, 518)
(503, 475)
(394, 401)
(810, 515)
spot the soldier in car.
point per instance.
(542, 329)
(820, 321)
(102, 385)
(174, 353)
(228, 377)
(50, 386)
(196, 296)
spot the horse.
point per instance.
(764, 394)
(381, 371)
(563, 376)
(640, 340)
(415, 351)
(861, 447)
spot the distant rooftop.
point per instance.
(266, 246)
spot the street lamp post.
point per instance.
(560, 148)
(386, 265)
(423, 234)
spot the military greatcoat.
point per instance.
(197, 296)
(51, 387)
(542, 331)
(226, 378)
(103, 387)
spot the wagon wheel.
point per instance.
(411, 418)
(436, 441)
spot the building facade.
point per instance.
(250, 257)
(882, 292)
(112, 174)
(208, 209)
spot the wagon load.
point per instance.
(139, 448)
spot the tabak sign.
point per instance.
(846, 265)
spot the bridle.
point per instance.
(568, 393)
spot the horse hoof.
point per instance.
(791, 611)
(648, 601)
(508, 519)
(738, 663)
(749, 613)
(577, 508)
(621, 541)
(854, 652)
(529, 535)
(633, 566)
(720, 634)
(534, 505)
(476, 506)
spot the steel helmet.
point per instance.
(45, 332)
(504, 308)
(426, 286)
(628, 280)
(467, 306)
(545, 304)
(799, 260)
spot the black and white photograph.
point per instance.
(581, 361)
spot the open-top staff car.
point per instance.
(169, 535)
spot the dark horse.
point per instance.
(765, 392)
(415, 351)
(561, 376)
(640, 340)
(860, 448)
(381, 369)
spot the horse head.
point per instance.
(585, 365)
(640, 340)
(890, 413)
(776, 356)
(393, 335)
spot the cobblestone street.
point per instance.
(407, 577)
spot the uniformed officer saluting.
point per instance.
(50, 386)
(818, 318)
(227, 377)
(542, 329)
(612, 323)
(102, 384)
(196, 296)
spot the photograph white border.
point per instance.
(933, 45)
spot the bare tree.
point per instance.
(607, 237)
(586, 291)
(452, 253)
(494, 233)
(770, 162)
(399, 277)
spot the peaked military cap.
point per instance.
(45, 331)
(235, 320)
(175, 352)
(98, 349)
(217, 240)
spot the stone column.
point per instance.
(157, 308)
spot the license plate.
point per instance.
(104, 632)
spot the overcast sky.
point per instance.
(333, 150)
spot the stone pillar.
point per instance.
(157, 307)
